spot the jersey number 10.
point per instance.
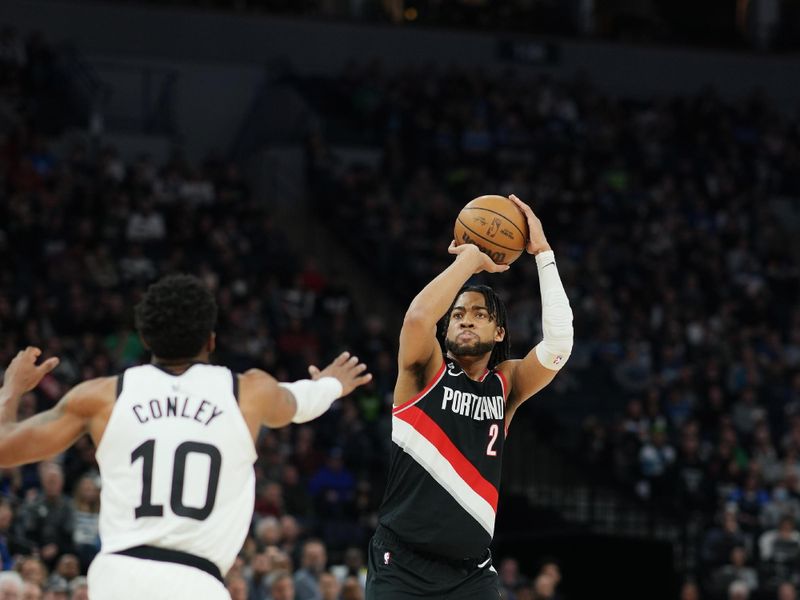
(146, 452)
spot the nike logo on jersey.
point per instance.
(454, 371)
(479, 408)
(172, 406)
(484, 563)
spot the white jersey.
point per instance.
(176, 463)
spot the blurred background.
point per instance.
(307, 160)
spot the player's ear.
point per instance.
(212, 342)
(500, 334)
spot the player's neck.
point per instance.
(473, 366)
(179, 365)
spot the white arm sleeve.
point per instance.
(313, 398)
(556, 345)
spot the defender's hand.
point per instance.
(537, 242)
(481, 259)
(346, 369)
(23, 374)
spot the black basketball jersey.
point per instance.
(441, 496)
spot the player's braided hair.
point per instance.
(497, 312)
(176, 316)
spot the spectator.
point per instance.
(48, 519)
(297, 500)
(329, 587)
(352, 589)
(10, 543)
(738, 591)
(79, 589)
(786, 591)
(269, 500)
(268, 532)
(146, 225)
(780, 552)
(656, 460)
(552, 569)
(283, 587)
(544, 587)
(313, 562)
(257, 586)
(33, 570)
(690, 591)
(11, 586)
(31, 591)
(57, 588)
(68, 567)
(86, 535)
(735, 570)
(333, 485)
(237, 587)
(720, 541)
(509, 576)
(750, 500)
(291, 536)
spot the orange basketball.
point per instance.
(495, 225)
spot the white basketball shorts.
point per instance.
(116, 577)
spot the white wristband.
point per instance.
(313, 398)
(556, 345)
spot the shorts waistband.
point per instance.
(173, 556)
(386, 534)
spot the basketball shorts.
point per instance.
(396, 571)
(118, 577)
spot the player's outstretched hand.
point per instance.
(537, 242)
(350, 373)
(482, 260)
(23, 374)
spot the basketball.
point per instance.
(495, 225)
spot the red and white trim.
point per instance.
(503, 384)
(421, 438)
(416, 398)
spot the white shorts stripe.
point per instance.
(430, 459)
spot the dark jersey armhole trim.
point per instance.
(235, 377)
(424, 390)
(120, 380)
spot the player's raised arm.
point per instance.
(418, 344)
(542, 363)
(278, 404)
(46, 433)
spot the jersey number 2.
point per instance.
(146, 452)
(493, 431)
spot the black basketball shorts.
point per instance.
(397, 572)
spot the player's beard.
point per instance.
(477, 348)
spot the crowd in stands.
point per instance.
(672, 225)
(83, 232)
(674, 222)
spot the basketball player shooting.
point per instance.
(452, 409)
(175, 445)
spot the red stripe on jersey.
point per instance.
(427, 428)
(424, 391)
(504, 383)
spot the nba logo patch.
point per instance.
(387, 556)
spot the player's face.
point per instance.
(472, 331)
